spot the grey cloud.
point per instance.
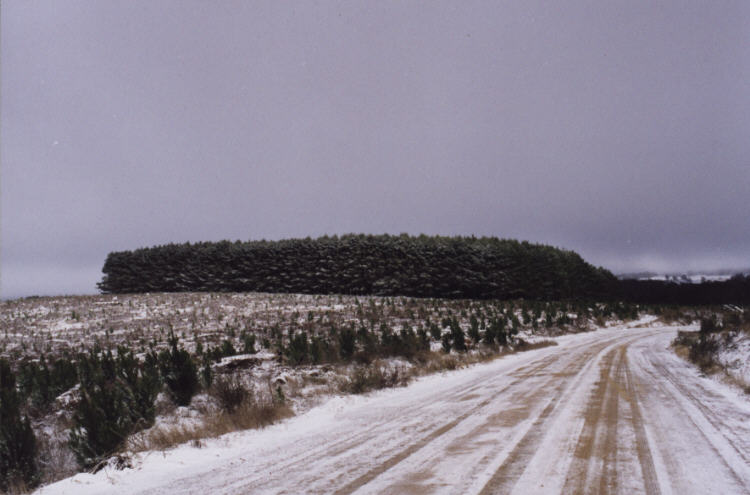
(617, 129)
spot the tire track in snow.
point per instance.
(592, 451)
(354, 445)
(524, 428)
(505, 477)
(576, 366)
(521, 375)
(723, 448)
(333, 454)
(608, 451)
(524, 373)
(648, 470)
(717, 424)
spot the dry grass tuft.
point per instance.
(530, 346)
(374, 377)
(254, 412)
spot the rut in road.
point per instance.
(612, 411)
(522, 391)
(594, 466)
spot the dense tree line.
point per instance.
(423, 266)
(733, 291)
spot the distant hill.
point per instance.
(421, 266)
(693, 277)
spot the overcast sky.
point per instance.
(620, 130)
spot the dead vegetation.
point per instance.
(237, 408)
(721, 333)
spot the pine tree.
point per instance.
(17, 441)
(457, 336)
(435, 331)
(489, 335)
(446, 342)
(117, 398)
(423, 339)
(347, 339)
(316, 350)
(179, 372)
(102, 420)
(474, 329)
(298, 348)
(248, 343)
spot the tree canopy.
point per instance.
(421, 266)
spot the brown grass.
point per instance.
(16, 487)
(376, 376)
(251, 414)
(681, 346)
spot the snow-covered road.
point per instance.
(612, 411)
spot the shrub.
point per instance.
(703, 351)
(365, 378)
(230, 392)
(17, 441)
(408, 342)
(709, 325)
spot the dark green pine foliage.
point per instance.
(409, 344)
(445, 340)
(423, 266)
(248, 343)
(489, 334)
(17, 441)
(179, 372)
(317, 350)
(458, 337)
(474, 330)
(423, 339)
(42, 383)
(435, 330)
(144, 381)
(117, 399)
(298, 350)
(347, 342)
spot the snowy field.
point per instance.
(247, 338)
(610, 411)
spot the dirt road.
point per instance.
(612, 411)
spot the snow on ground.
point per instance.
(608, 411)
(735, 357)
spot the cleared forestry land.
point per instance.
(611, 411)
